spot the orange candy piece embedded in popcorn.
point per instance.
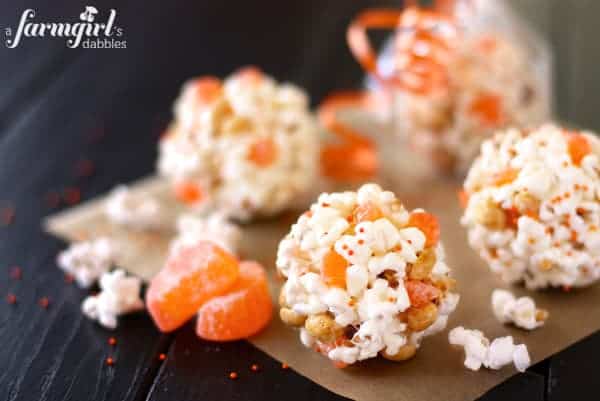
(505, 177)
(263, 152)
(188, 192)
(190, 277)
(242, 311)
(367, 212)
(488, 108)
(207, 89)
(579, 147)
(420, 293)
(427, 223)
(334, 269)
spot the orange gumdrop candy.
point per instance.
(367, 212)
(579, 147)
(263, 152)
(334, 269)
(420, 293)
(242, 311)
(427, 223)
(188, 192)
(190, 277)
(488, 108)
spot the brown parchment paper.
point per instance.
(437, 372)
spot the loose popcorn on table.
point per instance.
(119, 295)
(86, 261)
(214, 228)
(246, 147)
(364, 277)
(137, 211)
(495, 355)
(532, 208)
(521, 312)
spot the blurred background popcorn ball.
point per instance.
(364, 277)
(246, 147)
(532, 206)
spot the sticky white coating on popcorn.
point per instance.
(140, 212)
(521, 312)
(119, 295)
(86, 261)
(492, 85)
(362, 278)
(215, 228)
(533, 211)
(250, 149)
(495, 355)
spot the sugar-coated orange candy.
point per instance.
(190, 278)
(427, 223)
(579, 147)
(207, 89)
(488, 108)
(505, 176)
(263, 152)
(188, 192)
(420, 293)
(244, 310)
(334, 269)
(367, 212)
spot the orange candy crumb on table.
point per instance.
(188, 192)
(579, 147)
(427, 223)
(233, 375)
(263, 152)
(190, 278)
(110, 361)
(240, 312)
(334, 269)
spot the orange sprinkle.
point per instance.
(72, 196)
(578, 146)
(162, 357)
(188, 192)
(339, 364)
(69, 278)
(112, 341)
(254, 367)
(427, 223)
(463, 198)
(11, 299)
(110, 361)
(263, 152)
(488, 108)
(233, 375)
(505, 177)
(44, 302)
(7, 216)
(334, 269)
(285, 366)
(16, 273)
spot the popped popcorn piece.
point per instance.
(119, 295)
(214, 228)
(361, 280)
(522, 312)
(495, 355)
(533, 213)
(86, 261)
(247, 146)
(140, 212)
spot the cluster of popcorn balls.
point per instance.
(363, 276)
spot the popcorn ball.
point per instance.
(247, 146)
(532, 206)
(364, 276)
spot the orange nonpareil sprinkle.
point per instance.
(69, 278)
(254, 367)
(72, 196)
(233, 375)
(487, 108)
(44, 302)
(7, 215)
(263, 152)
(285, 366)
(162, 357)
(11, 299)
(188, 192)
(112, 341)
(110, 361)
(16, 273)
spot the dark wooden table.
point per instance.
(61, 107)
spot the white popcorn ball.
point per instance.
(86, 261)
(532, 209)
(245, 147)
(119, 295)
(495, 355)
(214, 228)
(521, 312)
(361, 275)
(137, 211)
